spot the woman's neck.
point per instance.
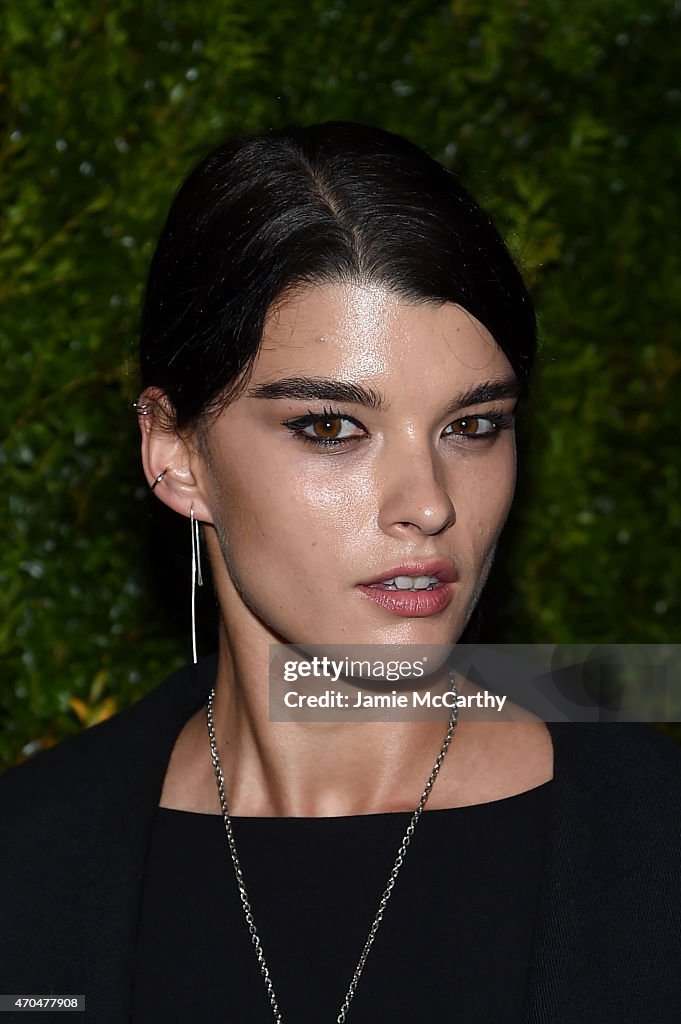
(320, 769)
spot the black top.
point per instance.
(455, 939)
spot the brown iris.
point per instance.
(328, 428)
(469, 425)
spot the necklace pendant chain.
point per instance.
(392, 878)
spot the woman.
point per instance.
(334, 343)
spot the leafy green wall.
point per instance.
(563, 119)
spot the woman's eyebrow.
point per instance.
(309, 389)
(487, 391)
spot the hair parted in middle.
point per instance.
(328, 203)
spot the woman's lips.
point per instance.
(386, 588)
(410, 603)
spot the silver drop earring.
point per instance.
(197, 578)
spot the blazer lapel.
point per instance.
(554, 980)
(132, 803)
(607, 941)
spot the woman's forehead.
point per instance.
(366, 331)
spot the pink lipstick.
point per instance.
(414, 589)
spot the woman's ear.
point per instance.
(169, 457)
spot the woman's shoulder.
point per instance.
(618, 761)
(631, 752)
(116, 753)
(617, 790)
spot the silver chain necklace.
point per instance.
(392, 878)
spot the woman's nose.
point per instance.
(414, 495)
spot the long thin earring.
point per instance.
(197, 578)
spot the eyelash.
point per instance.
(500, 421)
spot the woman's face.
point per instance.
(359, 485)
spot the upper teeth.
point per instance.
(411, 582)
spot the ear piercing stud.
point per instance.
(141, 408)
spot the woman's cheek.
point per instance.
(334, 495)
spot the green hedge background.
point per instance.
(564, 121)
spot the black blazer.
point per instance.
(75, 824)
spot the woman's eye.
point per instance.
(327, 428)
(330, 428)
(472, 426)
